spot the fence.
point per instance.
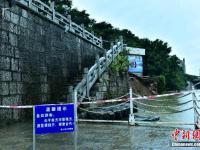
(196, 110)
(49, 13)
(140, 103)
(141, 106)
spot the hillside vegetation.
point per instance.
(157, 62)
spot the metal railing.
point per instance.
(49, 13)
(90, 76)
(146, 108)
(196, 110)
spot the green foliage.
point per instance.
(81, 17)
(120, 64)
(62, 6)
(157, 61)
(161, 85)
(175, 77)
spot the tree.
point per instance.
(62, 6)
(157, 61)
(81, 17)
(120, 64)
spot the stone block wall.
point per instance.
(37, 59)
(110, 85)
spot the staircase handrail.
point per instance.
(50, 14)
(90, 77)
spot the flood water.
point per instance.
(93, 136)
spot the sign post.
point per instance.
(34, 128)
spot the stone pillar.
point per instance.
(70, 23)
(121, 38)
(70, 94)
(83, 32)
(87, 81)
(101, 42)
(29, 3)
(93, 37)
(98, 65)
(112, 49)
(52, 5)
(106, 60)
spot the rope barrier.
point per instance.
(177, 111)
(185, 95)
(156, 106)
(160, 100)
(179, 104)
(96, 112)
(183, 110)
(196, 105)
(196, 111)
(163, 100)
(112, 106)
(88, 98)
(102, 101)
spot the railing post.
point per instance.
(121, 39)
(101, 42)
(106, 60)
(83, 32)
(93, 37)
(112, 50)
(194, 107)
(52, 5)
(75, 106)
(121, 42)
(131, 115)
(98, 65)
(70, 23)
(34, 137)
(86, 74)
(116, 50)
(29, 3)
(70, 95)
(116, 41)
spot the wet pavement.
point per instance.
(91, 136)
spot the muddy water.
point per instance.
(101, 136)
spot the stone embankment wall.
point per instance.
(111, 85)
(38, 59)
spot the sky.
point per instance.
(176, 22)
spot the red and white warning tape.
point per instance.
(125, 99)
(26, 106)
(158, 96)
(98, 101)
(17, 107)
